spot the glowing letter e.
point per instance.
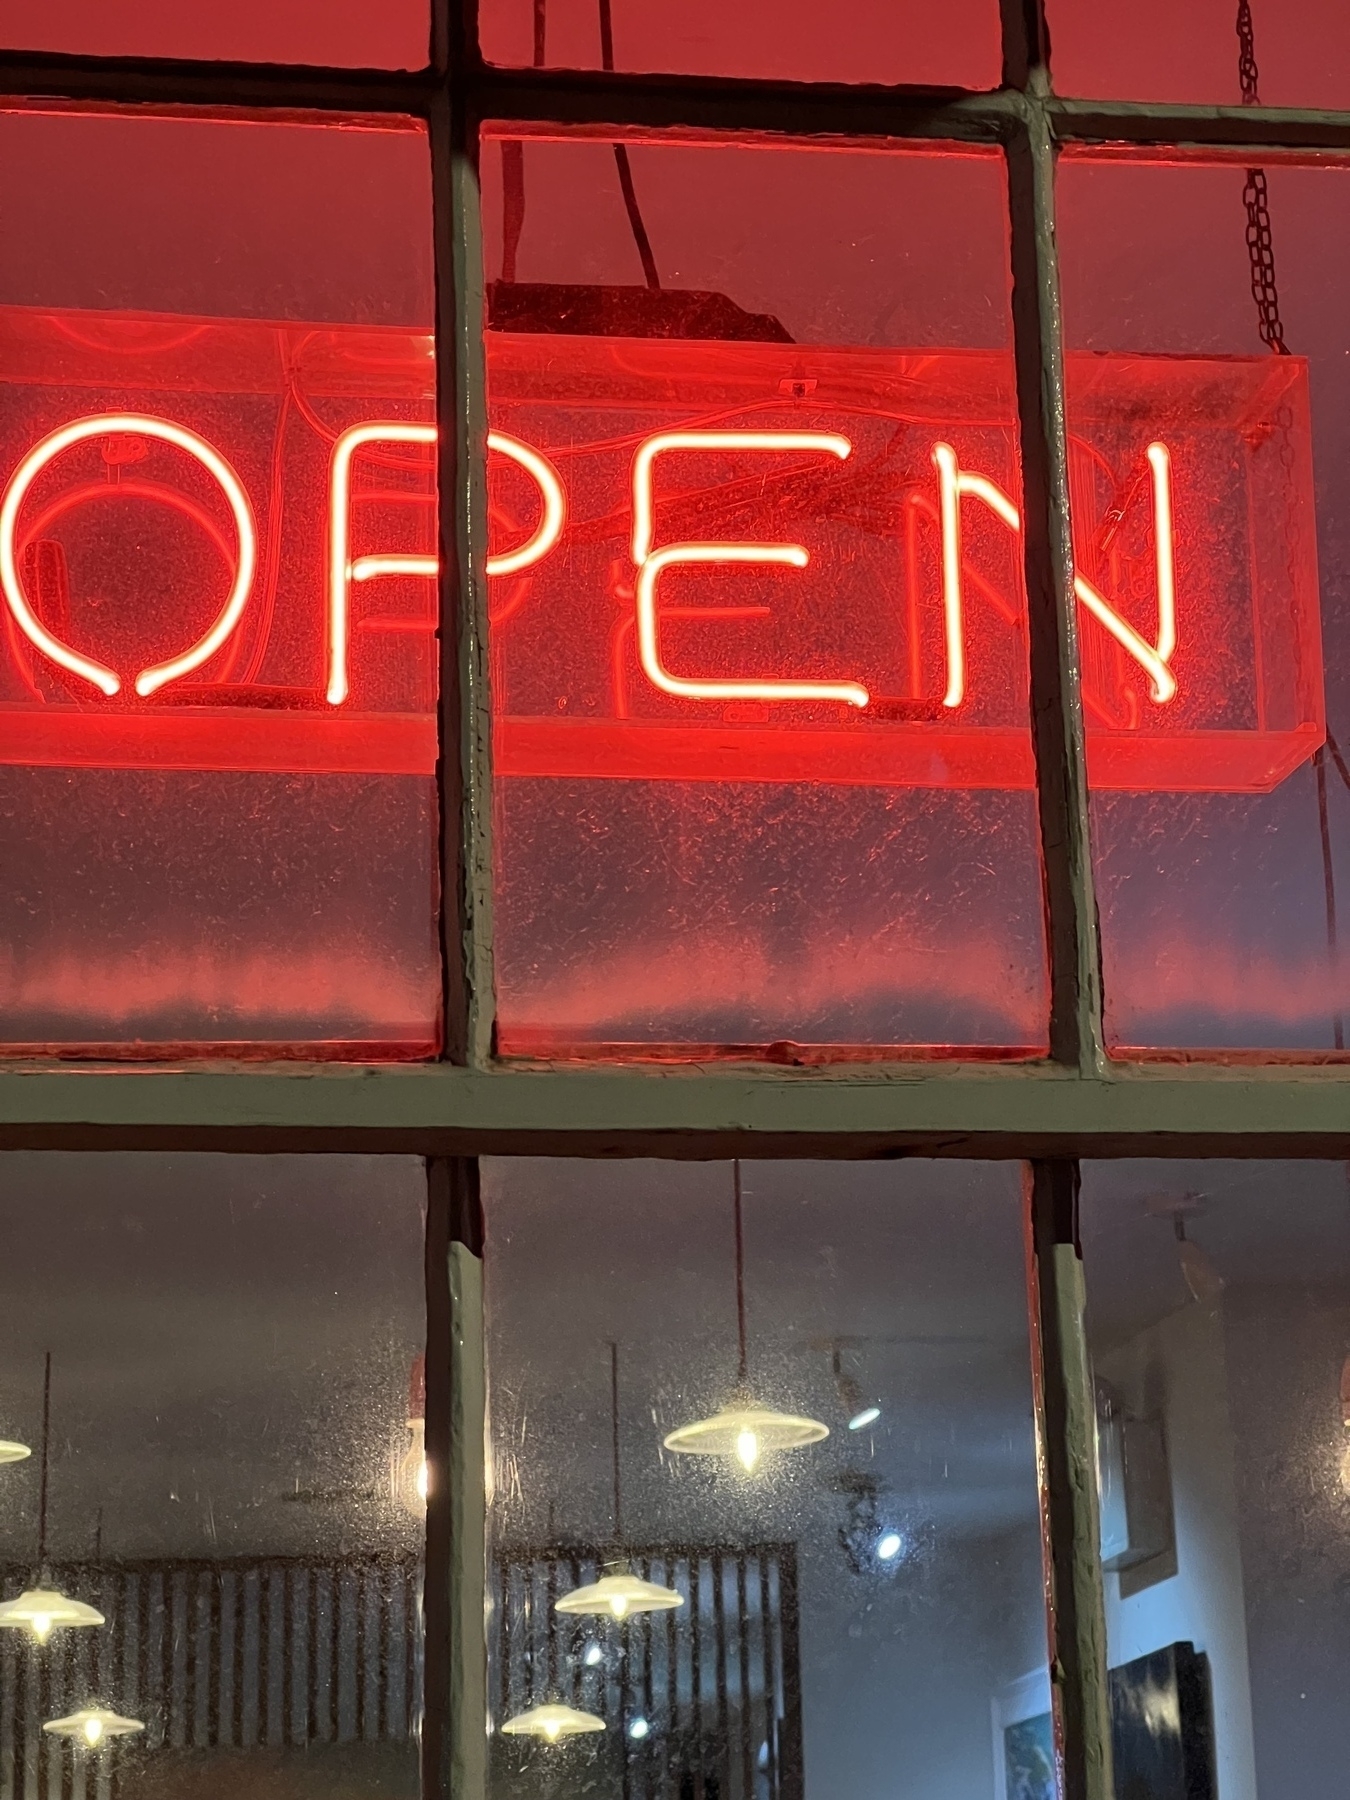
(651, 562)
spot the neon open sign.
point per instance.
(708, 561)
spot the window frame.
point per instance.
(1076, 1102)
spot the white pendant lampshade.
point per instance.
(619, 1591)
(92, 1726)
(12, 1452)
(40, 1610)
(743, 1428)
(744, 1431)
(552, 1722)
(619, 1595)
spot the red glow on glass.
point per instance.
(750, 561)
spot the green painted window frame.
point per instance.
(1075, 1103)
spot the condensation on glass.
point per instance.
(791, 40)
(216, 749)
(213, 1362)
(1217, 1301)
(339, 33)
(755, 1564)
(753, 787)
(1152, 50)
(1219, 880)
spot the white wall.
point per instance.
(1177, 1367)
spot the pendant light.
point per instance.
(1202, 1279)
(92, 1726)
(408, 1475)
(11, 1452)
(552, 1722)
(618, 1592)
(42, 1608)
(743, 1428)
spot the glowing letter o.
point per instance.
(137, 425)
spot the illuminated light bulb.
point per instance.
(11, 1452)
(41, 1610)
(410, 1476)
(619, 1594)
(889, 1546)
(742, 1431)
(92, 1725)
(552, 1722)
(861, 1420)
(134, 425)
(639, 1729)
(594, 1654)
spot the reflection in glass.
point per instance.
(228, 1370)
(872, 1595)
(1219, 1324)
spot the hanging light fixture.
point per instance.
(409, 1471)
(743, 1428)
(1202, 1279)
(858, 1410)
(11, 1452)
(92, 1726)
(618, 1592)
(42, 1608)
(552, 1722)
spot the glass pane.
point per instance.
(1217, 1305)
(766, 805)
(1211, 515)
(1155, 51)
(208, 1358)
(340, 33)
(792, 40)
(817, 1555)
(217, 814)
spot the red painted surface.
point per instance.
(773, 563)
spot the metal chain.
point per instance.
(1256, 199)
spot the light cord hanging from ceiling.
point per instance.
(619, 1591)
(513, 162)
(743, 1429)
(629, 192)
(39, 1609)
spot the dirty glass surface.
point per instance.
(1216, 1310)
(694, 1590)
(753, 799)
(1189, 53)
(790, 40)
(206, 841)
(345, 33)
(1221, 868)
(210, 1556)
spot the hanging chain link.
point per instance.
(1256, 199)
